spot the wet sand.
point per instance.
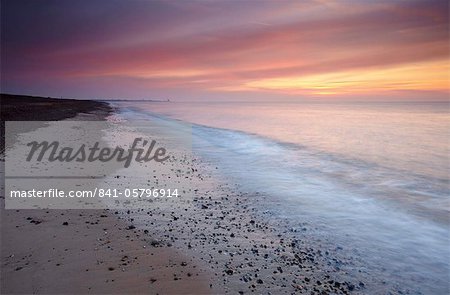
(88, 251)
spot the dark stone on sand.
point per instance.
(65, 223)
(155, 243)
(131, 227)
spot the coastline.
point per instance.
(217, 239)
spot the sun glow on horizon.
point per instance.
(433, 76)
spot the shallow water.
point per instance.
(372, 177)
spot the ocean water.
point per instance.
(373, 177)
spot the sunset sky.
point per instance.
(187, 50)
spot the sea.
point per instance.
(371, 176)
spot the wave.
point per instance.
(385, 213)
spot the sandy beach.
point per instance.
(84, 251)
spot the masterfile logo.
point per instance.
(148, 151)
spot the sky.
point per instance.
(226, 50)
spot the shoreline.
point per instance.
(218, 238)
(246, 249)
(229, 225)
